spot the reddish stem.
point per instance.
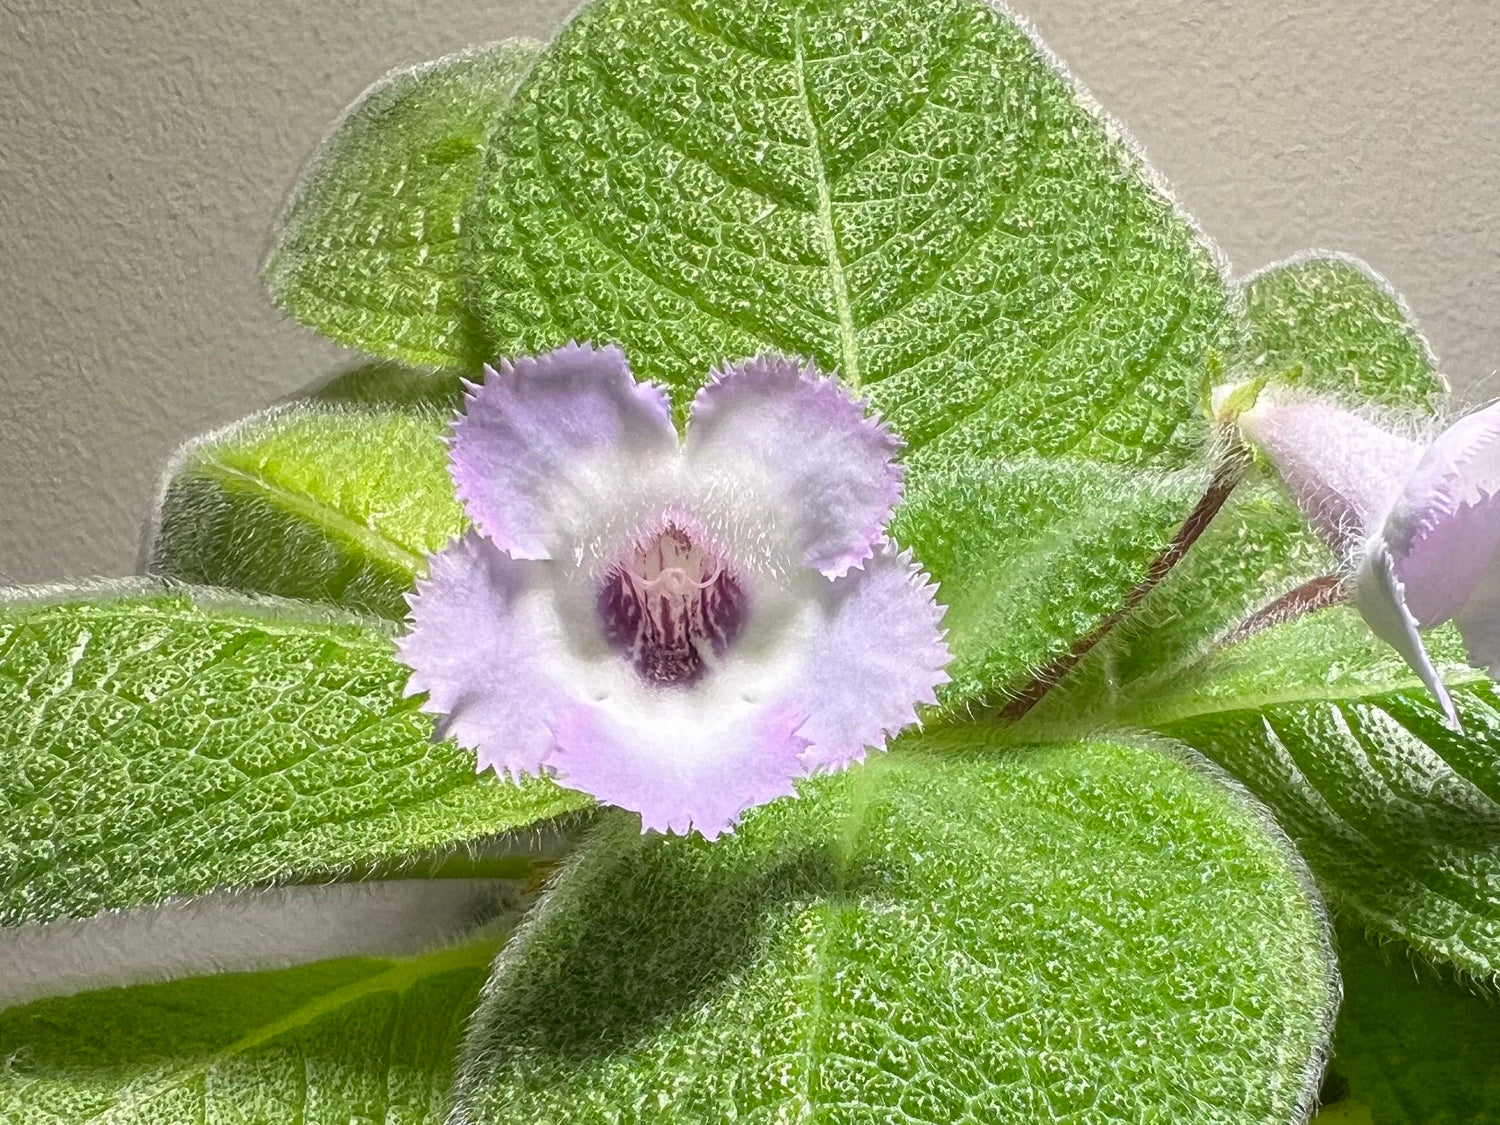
(1316, 593)
(1228, 474)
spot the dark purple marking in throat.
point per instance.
(671, 607)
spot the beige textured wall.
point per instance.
(145, 146)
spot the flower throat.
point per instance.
(671, 606)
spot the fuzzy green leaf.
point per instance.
(1395, 814)
(1087, 933)
(1350, 335)
(1256, 549)
(1079, 533)
(338, 1042)
(1398, 816)
(1346, 1111)
(1344, 325)
(1414, 1046)
(369, 248)
(320, 501)
(167, 743)
(908, 192)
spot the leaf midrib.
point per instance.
(1255, 703)
(848, 344)
(332, 521)
(400, 977)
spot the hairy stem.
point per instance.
(1227, 475)
(1316, 593)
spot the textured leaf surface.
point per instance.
(1351, 336)
(1346, 1111)
(164, 744)
(1346, 327)
(335, 501)
(368, 250)
(1082, 533)
(1035, 936)
(1414, 1046)
(1398, 816)
(328, 1044)
(907, 192)
(1256, 549)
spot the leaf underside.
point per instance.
(324, 501)
(328, 1044)
(170, 742)
(958, 938)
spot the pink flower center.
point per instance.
(671, 606)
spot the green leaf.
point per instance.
(1351, 336)
(1414, 1046)
(1346, 1111)
(908, 192)
(384, 385)
(1079, 534)
(369, 248)
(1351, 333)
(167, 743)
(1398, 816)
(341, 1041)
(324, 502)
(1256, 549)
(1094, 932)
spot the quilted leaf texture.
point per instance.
(910, 193)
(1398, 816)
(1090, 933)
(368, 250)
(334, 500)
(166, 742)
(1352, 337)
(359, 1040)
(1257, 549)
(1083, 532)
(1413, 1045)
(1349, 330)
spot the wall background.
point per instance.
(145, 148)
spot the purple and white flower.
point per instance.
(1418, 521)
(678, 627)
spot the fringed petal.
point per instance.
(1479, 623)
(571, 632)
(482, 638)
(1381, 601)
(681, 770)
(1443, 532)
(878, 655)
(777, 428)
(549, 445)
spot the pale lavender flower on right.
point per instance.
(1418, 522)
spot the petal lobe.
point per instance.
(801, 437)
(547, 443)
(479, 622)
